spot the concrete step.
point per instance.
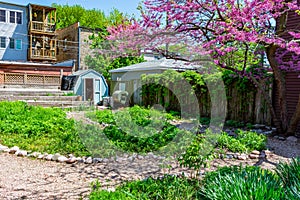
(60, 104)
(40, 98)
(33, 92)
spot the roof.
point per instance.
(61, 64)
(40, 7)
(83, 72)
(12, 4)
(161, 64)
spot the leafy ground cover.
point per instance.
(38, 129)
(226, 183)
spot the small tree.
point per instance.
(221, 28)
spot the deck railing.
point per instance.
(29, 79)
(42, 27)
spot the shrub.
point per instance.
(242, 183)
(290, 176)
(166, 187)
(245, 141)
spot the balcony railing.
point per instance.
(42, 27)
(29, 79)
(42, 54)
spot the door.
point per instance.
(89, 89)
(97, 87)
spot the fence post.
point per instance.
(25, 78)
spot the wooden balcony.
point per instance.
(42, 54)
(42, 27)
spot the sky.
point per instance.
(125, 6)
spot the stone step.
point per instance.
(40, 98)
(60, 104)
(33, 92)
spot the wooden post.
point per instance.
(25, 79)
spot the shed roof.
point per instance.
(83, 72)
(162, 64)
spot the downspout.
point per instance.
(79, 41)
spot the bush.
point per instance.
(166, 187)
(245, 141)
(290, 177)
(242, 183)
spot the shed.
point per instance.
(129, 78)
(89, 84)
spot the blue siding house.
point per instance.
(13, 32)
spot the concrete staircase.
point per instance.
(43, 97)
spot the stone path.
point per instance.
(26, 178)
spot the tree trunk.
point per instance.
(294, 121)
(280, 84)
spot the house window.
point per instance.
(15, 17)
(19, 18)
(2, 42)
(2, 16)
(11, 43)
(12, 17)
(19, 44)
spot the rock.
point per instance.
(274, 130)
(34, 154)
(97, 160)
(105, 160)
(236, 155)
(255, 152)
(55, 157)
(259, 131)
(262, 155)
(21, 153)
(62, 159)
(71, 160)
(229, 156)
(49, 157)
(253, 156)
(3, 148)
(242, 157)
(14, 149)
(292, 139)
(80, 160)
(267, 152)
(89, 160)
(281, 138)
(41, 156)
(258, 126)
(140, 157)
(276, 137)
(130, 158)
(267, 132)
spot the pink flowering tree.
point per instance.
(220, 28)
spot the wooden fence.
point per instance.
(242, 105)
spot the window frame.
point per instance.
(5, 17)
(18, 41)
(2, 42)
(12, 43)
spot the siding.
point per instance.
(16, 31)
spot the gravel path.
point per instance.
(25, 178)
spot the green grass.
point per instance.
(40, 129)
(167, 187)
